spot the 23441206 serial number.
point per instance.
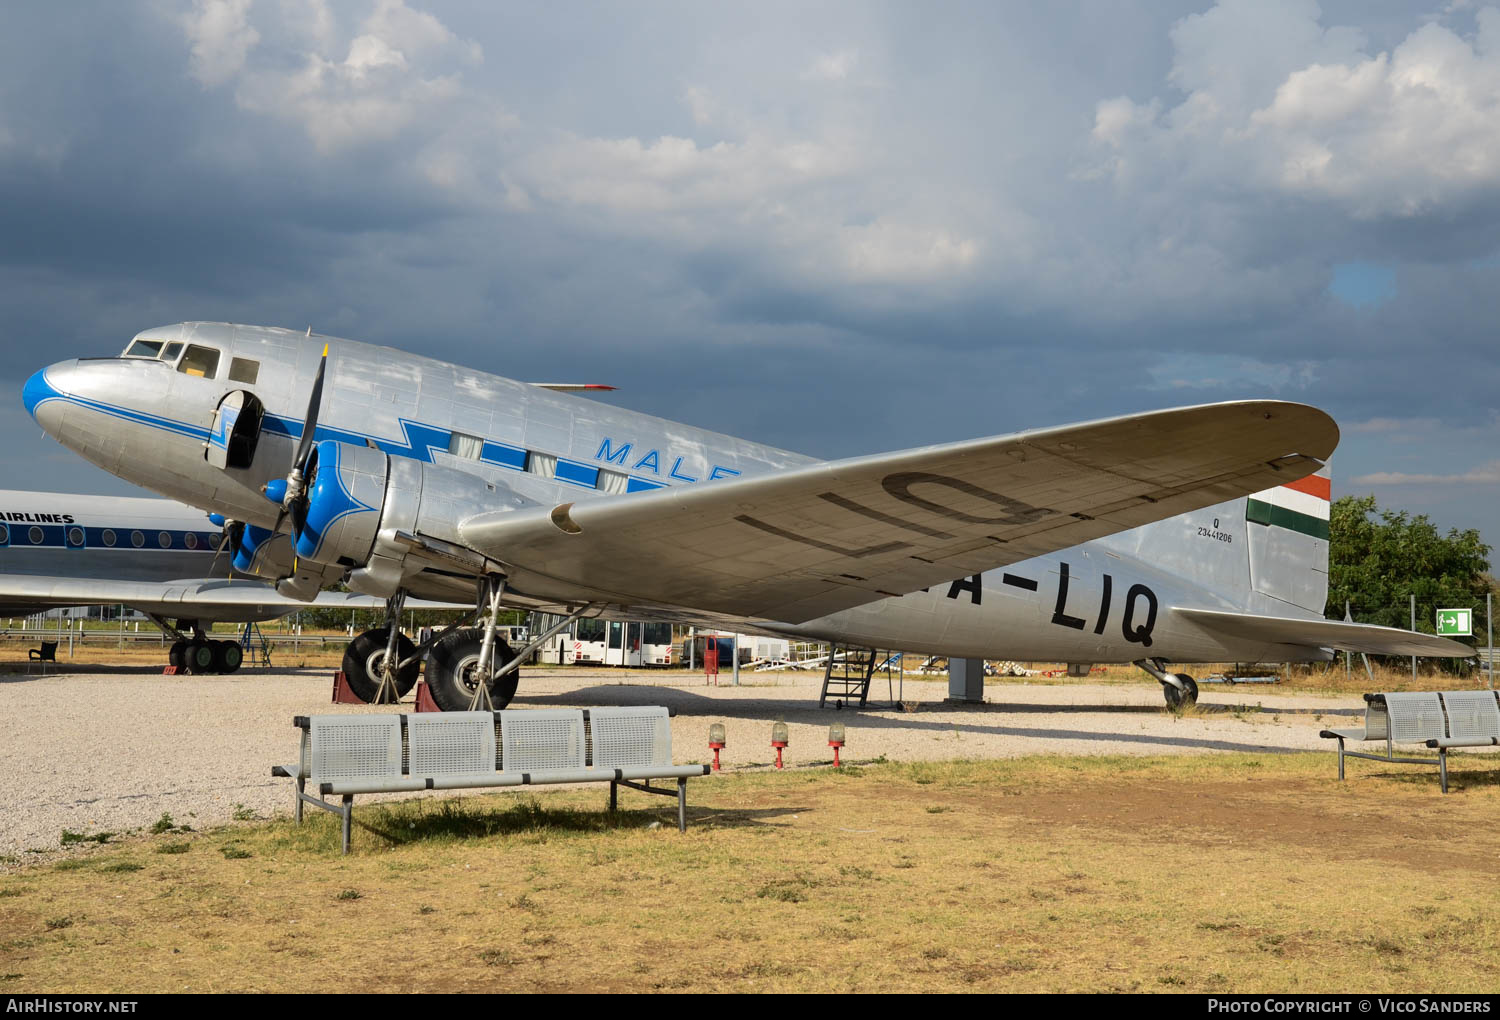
(1218, 536)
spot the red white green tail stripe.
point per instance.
(1300, 506)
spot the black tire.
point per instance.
(199, 657)
(177, 655)
(450, 671)
(1187, 697)
(233, 656)
(364, 658)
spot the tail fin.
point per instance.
(1255, 552)
(1288, 540)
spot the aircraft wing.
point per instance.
(1346, 637)
(213, 598)
(809, 541)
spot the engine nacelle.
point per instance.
(360, 498)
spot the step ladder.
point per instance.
(848, 674)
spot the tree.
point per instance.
(1378, 559)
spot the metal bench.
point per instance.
(346, 755)
(1438, 720)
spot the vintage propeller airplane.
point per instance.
(1198, 534)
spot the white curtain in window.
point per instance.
(543, 464)
(469, 447)
(612, 481)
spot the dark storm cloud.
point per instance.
(837, 228)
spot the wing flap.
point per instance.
(766, 546)
(1345, 637)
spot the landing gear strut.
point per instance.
(473, 668)
(381, 665)
(1180, 690)
(467, 671)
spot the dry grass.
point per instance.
(1231, 873)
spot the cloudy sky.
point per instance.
(838, 228)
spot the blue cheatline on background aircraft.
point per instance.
(153, 555)
(1191, 535)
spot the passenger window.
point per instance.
(461, 445)
(200, 361)
(170, 352)
(544, 464)
(143, 349)
(243, 370)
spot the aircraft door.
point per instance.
(236, 431)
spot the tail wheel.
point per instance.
(1185, 697)
(452, 671)
(364, 663)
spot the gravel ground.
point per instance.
(114, 751)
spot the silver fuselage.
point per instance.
(146, 421)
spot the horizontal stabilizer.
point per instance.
(1346, 637)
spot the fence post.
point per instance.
(1414, 627)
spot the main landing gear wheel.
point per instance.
(364, 661)
(177, 655)
(227, 656)
(199, 657)
(451, 671)
(1186, 697)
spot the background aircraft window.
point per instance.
(190, 540)
(202, 361)
(461, 445)
(109, 537)
(169, 353)
(612, 481)
(35, 534)
(243, 370)
(543, 464)
(164, 539)
(75, 536)
(143, 349)
(137, 539)
(4, 535)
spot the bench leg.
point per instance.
(301, 788)
(1443, 768)
(348, 818)
(614, 796)
(1341, 759)
(681, 805)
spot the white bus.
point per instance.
(634, 643)
(606, 643)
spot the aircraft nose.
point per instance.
(45, 395)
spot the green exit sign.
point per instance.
(1455, 622)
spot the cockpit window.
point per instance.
(202, 361)
(169, 353)
(143, 349)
